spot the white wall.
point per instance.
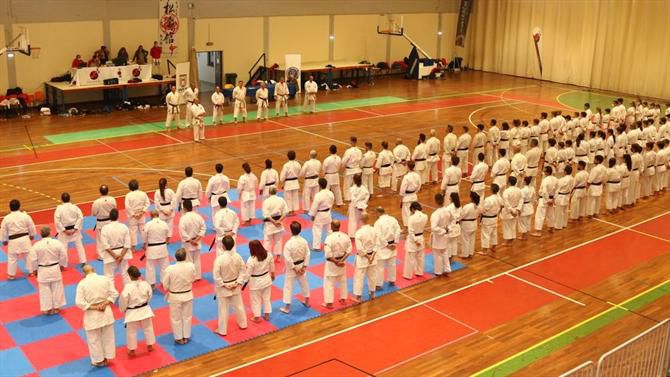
(205, 71)
(305, 35)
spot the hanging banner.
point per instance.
(293, 67)
(182, 77)
(537, 36)
(462, 22)
(168, 25)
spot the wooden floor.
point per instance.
(37, 185)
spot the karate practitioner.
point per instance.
(217, 106)
(433, 146)
(490, 208)
(191, 230)
(189, 188)
(357, 207)
(451, 180)
(69, 223)
(545, 206)
(198, 120)
(269, 179)
(419, 156)
(401, 156)
(165, 202)
(247, 187)
(240, 102)
(337, 248)
(261, 271)
(320, 213)
(289, 175)
(388, 229)
(156, 238)
(262, 98)
(281, 97)
(512, 207)
(529, 199)
(217, 186)
(367, 246)
(134, 302)
(190, 94)
(95, 295)
(275, 210)
(45, 260)
(613, 186)
(16, 231)
(597, 177)
(384, 165)
(331, 169)
(368, 167)
(172, 102)
(311, 87)
(440, 220)
(296, 262)
(566, 184)
(469, 219)
(579, 193)
(462, 148)
(410, 186)
(100, 210)
(226, 223)
(116, 243)
(500, 169)
(178, 282)
(478, 175)
(415, 244)
(310, 172)
(351, 160)
(230, 274)
(450, 146)
(136, 203)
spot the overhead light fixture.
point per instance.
(439, 33)
(10, 54)
(332, 37)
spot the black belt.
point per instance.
(275, 218)
(176, 293)
(418, 234)
(259, 275)
(166, 203)
(386, 165)
(101, 220)
(370, 253)
(581, 155)
(48, 265)
(298, 261)
(18, 235)
(613, 182)
(352, 167)
(475, 182)
(501, 174)
(596, 184)
(230, 281)
(467, 220)
(291, 179)
(225, 192)
(390, 242)
(564, 193)
(478, 147)
(532, 167)
(138, 306)
(331, 173)
(580, 187)
(323, 210)
(524, 138)
(187, 199)
(270, 183)
(462, 149)
(528, 202)
(420, 159)
(660, 165)
(157, 243)
(410, 192)
(493, 216)
(69, 227)
(310, 177)
(452, 184)
(366, 167)
(117, 248)
(433, 154)
(636, 169)
(504, 139)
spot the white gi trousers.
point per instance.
(368, 181)
(463, 163)
(147, 327)
(593, 205)
(193, 256)
(224, 304)
(217, 115)
(198, 130)
(181, 316)
(98, 240)
(101, 344)
(389, 266)
(441, 261)
(337, 192)
(578, 207)
(172, 114)
(110, 268)
(612, 200)
(262, 110)
(317, 234)
(329, 287)
(509, 228)
(370, 274)
(135, 226)
(348, 181)
(162, 264)
(414, 264)
(273, 242)
(12, 261)
(431, 172)
(258, 297)
(544, 212)
(524, 224)
(248, 210)
(76, 239)
(292, 198)
(281, 102)
(467, 243)
(354, 220)
(52, 295)
(308, 194)
(240, 107)
(489, 233)
(310, 100)
(289, 278)
(561, 216)
(406, 213)
(384, 180)
(189, 114)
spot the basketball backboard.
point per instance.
(390, 24)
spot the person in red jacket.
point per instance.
(78, 62)
(155, 53)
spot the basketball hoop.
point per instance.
(390, 25)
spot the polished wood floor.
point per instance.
(37, 185)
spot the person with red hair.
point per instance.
(261, 271)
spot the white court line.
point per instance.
(368, 112)
(546, 290)
(438, 311)
(170, 137)
(372, 320)
(488, 107)
(631, 229)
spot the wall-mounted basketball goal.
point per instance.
(417, 67)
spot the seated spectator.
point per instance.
(121, 57)
(104, 54)
(78, 62)
(95, 60)
(140, 56)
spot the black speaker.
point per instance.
(113, 81)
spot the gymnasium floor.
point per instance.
(540, 307)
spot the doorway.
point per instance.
(210, 70)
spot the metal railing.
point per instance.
(253, 67)
(588, 369)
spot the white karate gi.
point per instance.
(100, 210)
(115, 239)
(310, 172)
(311, 88)
(172, 102)
(419, 156)
(337, 245)
(359, 203)
(388, 229)
(478, 176)
(68, 218)
(597, 178)
(198, 120)
(191, 227)
(415, 245)
(217, 107)
(351, 160)
(440, 220)
(16, 229)
(520, 168)
(321, 212)
(410, 186)
(230, 274)
(469, 219)
(512, 207)
(499, 172)
(462, 148)
(490, 207)
(331, 172)
(385, 165)
(226, 223)
(47, 256)
(478, 144)
(451, 180)
(240, 103)
(564, 190)
(269, 179)
(296, 259)
(99, 325)
(189, 96)
(450, 143)
(579, 195)
(189, 188)
(492, 147)
(262, 102)
(401, 155)
(260, 284)
(613, 187)
(433, 146)
(136, 202)
(246, 187)
(217, 186)
(274, 207)
(156, 235)
(134, 301)
(367, 244)
(166, 207)
(367, 170)
(178, 282)
(527, 210)
(546, 203)
(281, 98)
(289, 175)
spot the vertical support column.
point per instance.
(106, 27)
(440, 35)
(266, 44)
(9, 35)
(331, 39)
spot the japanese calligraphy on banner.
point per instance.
(168, 25)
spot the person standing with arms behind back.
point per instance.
(311, 87)
(134, 301)
(16, 231)
(69, 223)
(178, 282)
(100, 210)
(261, 271)
(45, 260)
(246, 186)
(136, 202)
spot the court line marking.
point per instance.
(372, 320)
(546, 290)
(400, 291)
(632, 230)
(170, 137)
(487, 107)
(30, 191)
